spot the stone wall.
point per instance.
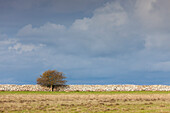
(87, 88)
(23, 88)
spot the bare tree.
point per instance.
(51, 78)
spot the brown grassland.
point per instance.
(88, 102)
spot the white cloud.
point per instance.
(104, 33)
(48, 28)
(7, 42)
(107, 31)
(81, 24)
(13, 44)
(4, 40)
(112, 32)
(25, 47)
(110, 42)
(108, 17)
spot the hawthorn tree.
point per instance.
(51, 78)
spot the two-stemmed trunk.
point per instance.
(52, 88)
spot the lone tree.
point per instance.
(51, 78)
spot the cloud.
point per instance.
(95, 45)
(7, 42)
(107, 17)
(162, 66)
(14, 44)
(48, 28)
(118, 40)
(158, 42)
(59, 6)
(154, 14)
(25, 48)
(105, 33)
(17, 59)
(18, 13)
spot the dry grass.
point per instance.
(91, 103)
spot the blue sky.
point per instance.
(91, 41)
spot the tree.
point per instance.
(51, 78)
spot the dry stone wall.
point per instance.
(87, 88)
(23, 88)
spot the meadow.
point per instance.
(85, 102)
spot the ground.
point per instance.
(85, 102)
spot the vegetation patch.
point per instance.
(72, 102)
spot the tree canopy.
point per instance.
(51, 78)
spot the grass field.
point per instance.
(85, 102)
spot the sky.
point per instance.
(90, 41)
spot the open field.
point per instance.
(99, 102)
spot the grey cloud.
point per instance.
(158, 42)
(16, 13)
(116, 41)
(154, 14)
(60, 6)
(105, 33)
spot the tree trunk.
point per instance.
(52, 88)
